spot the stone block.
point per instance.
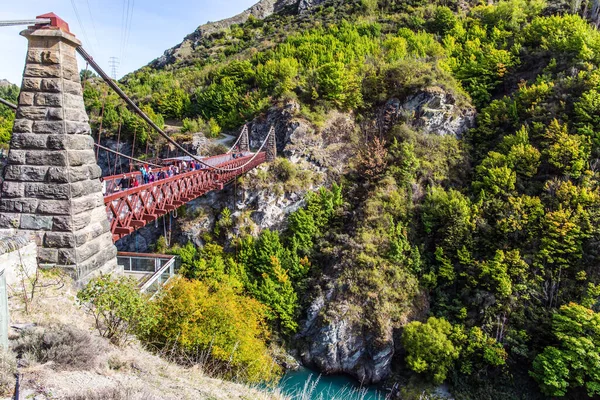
(49, 158)
(85, 188)
(45, 191)
(9, 220)
(68, 223)
(25, 173)
(53, 207)
(16, 156)
(33, 113)
(47, 256)
(55, 114)
(77, 174)
(93, 247)
(27, 206)
(36, 222)
(42, 71)
(51, 85)
(81, 157)
(22, 126)
(13, 189)
(58, 175)
(59, 240)
(67, 257)
(73, 101)
(95, 172)
(86, 203)
(72, 88)
(104, 262)
(31, 84)
(49, 127)
(78, 128)
(71, 74)
(48, 99)
(42, 56)
(71, 142)
(28, 141)
(26, 98)
(75, 115)
(88, 234)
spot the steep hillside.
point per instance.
(433, 215)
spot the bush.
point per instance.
(212, 324)
(67, 347)
(119, 309)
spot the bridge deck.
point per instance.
(131, 209)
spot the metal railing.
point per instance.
(152, 271)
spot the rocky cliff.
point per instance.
(340, 334)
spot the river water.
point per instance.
(305, 384)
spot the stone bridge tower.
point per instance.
(51, 183)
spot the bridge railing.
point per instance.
(134, 208)
(151, 271)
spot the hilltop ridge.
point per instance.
(260, 10)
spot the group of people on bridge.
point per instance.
(146, 175)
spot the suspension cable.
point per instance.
(145, 117)
(8, 103)
(125, 156)
(118, 143)
(40, 21)
(244, 130)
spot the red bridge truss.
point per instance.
(134, 208)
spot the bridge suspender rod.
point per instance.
(128, 157)
(143, 115)
(41, 21)
(8, 104)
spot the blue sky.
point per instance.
(155, 26)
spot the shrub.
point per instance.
(119, 309)
(67, 347)
(214, 325)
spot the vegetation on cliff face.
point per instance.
(497, 231)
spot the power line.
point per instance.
(93, 22)
(81, 26)
(128, 30)
(111, 83)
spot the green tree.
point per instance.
(574, 361)
(429, 347)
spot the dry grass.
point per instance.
(117, 373)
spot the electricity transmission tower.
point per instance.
(113, 63)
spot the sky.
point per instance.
(153, 26)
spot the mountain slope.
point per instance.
(461, 246)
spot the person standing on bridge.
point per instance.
(125, 183)
(144, 174)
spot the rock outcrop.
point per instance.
(431, 110)
(334, 343)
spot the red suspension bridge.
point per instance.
(134, 207)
